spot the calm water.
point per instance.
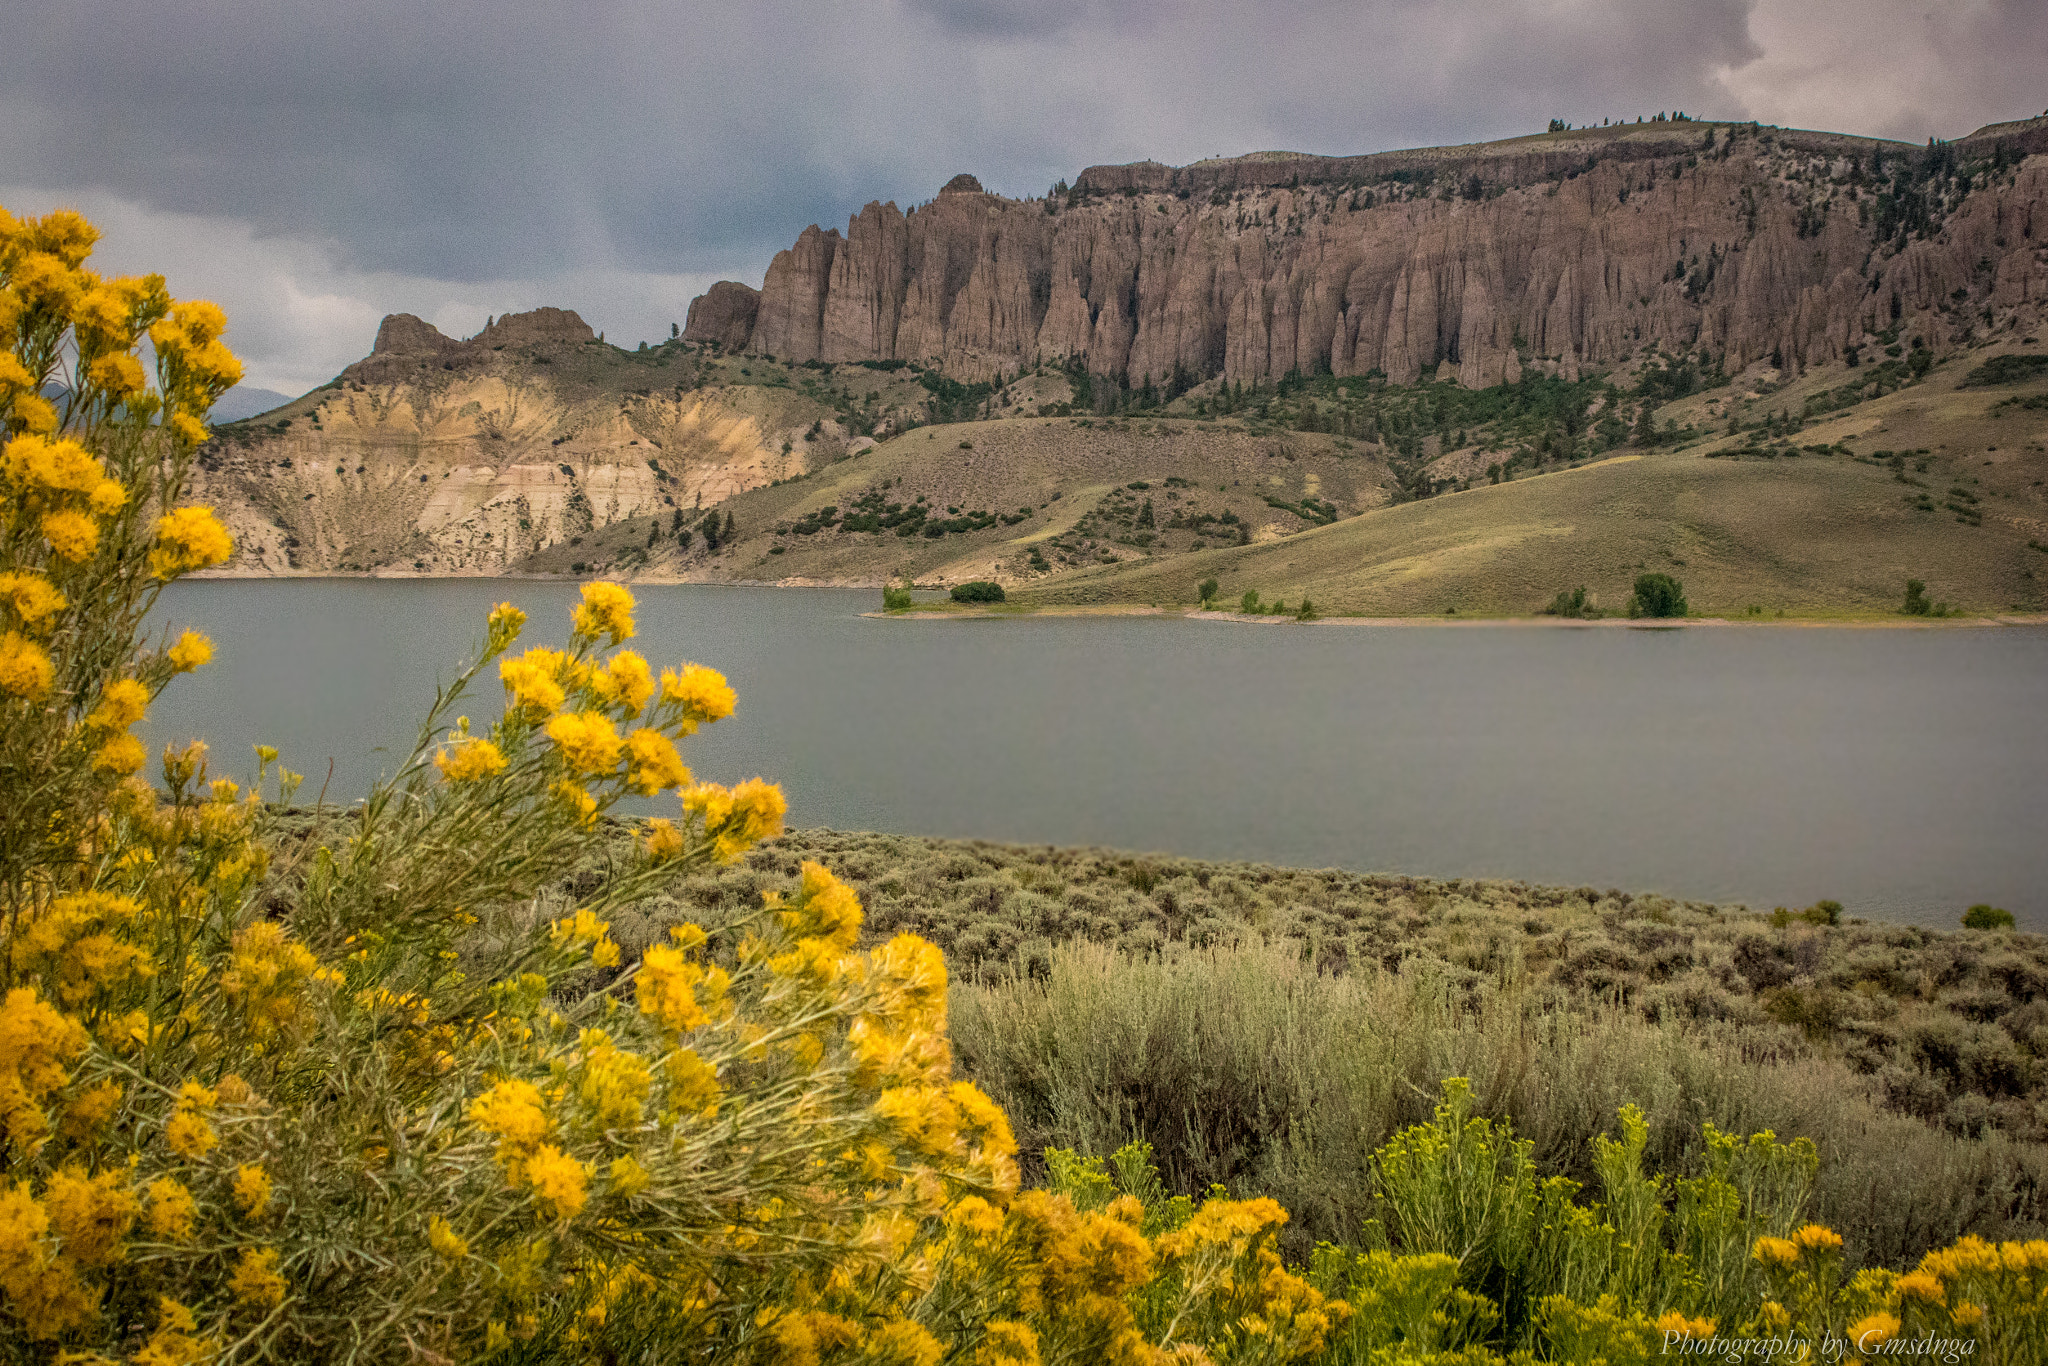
(1901, 772)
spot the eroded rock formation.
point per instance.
(1557, 251)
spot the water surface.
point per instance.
(1899, 772)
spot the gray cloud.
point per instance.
(321, 163)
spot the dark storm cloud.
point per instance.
(361, 149)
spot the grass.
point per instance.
(1267, 1027)
(1815, 534)
(1071, 480)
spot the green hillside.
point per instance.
(1941, 481)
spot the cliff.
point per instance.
(1563, 250)
(436, 454)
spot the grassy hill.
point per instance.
(1941, 481)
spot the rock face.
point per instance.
(403, 332)
(723, 315)
(1583, 248)
(486, 455)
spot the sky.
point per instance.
(314, 166)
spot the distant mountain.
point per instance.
(246, 400)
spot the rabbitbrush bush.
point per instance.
(355, 1100)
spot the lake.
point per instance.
(1901, 772)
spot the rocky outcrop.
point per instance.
(723, 316)
(1555, 252)
(540, 325)
(402, 332)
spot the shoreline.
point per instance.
(936, 612)
(947, 612)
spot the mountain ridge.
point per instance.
(1553, 250)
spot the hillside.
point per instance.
(1944, 481)
(1643, 294)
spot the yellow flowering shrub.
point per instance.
(349, 1097)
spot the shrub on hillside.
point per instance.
(981, 590)
(1987, 917)
(1657, 595)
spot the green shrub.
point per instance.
(894, 598)
(1917, 603)
(2007, 369)
(1657, 595)
(1984, 917)
(1206, 591)
(1572, 604)
(980, 590)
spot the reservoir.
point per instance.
(1903, 773)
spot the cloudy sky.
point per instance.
(313, 166)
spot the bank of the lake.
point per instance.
(1899, 772)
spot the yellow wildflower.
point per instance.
(504, 624)
(1873, 1331)
(1919, 1285)
(511, 1110)
(1006, 1342)
(558, 1180)
(1688, 1329)
(584, 929)
(446, 1242)
(1782, 1251)
(192, 651)
(256, 1280)
(173, 1343)
(662, 840)
(625, 682)
(534, 681)
(187, 539)
(25, 669)
(117, 374)
(72, 535)
(903, 1342)
(607, 610)
(265, 976)
(120, 756)
(34, 601)
(76, 945)
(190, 1136)
(36, 1044)
(1818, 1238)
(702, 693)
(692, 1083)
(666, 989)
(49, 469)
(826, 908)
(628, 1177)
(171, 1210)
(615, 1083)
(587, 740)
(653, 763)
(471, 761)
(90, 1109)
(91, 1214)
(122, 703)
(252, 1190)
(737, 819)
